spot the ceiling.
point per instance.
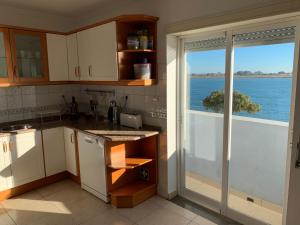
(60, 7)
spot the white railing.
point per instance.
(258, 153)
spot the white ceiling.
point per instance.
(61, 7)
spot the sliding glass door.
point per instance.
(236, 162)
(203, 127)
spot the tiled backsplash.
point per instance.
(17, 103)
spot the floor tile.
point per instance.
(139, 212)
(4, 218)
(163, 216)
(56, 187)
(109, 218)
(82, 211)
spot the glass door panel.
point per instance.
(262, 87)
(29, 51)
(203, 121)
(29, 60)
(5, 58)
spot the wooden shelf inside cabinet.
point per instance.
(129, 163)
(133, 82)
(132, 194)
(138, 50)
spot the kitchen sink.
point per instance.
(15, 128)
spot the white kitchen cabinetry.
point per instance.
(54, 150)
(97, 50)
(5, 170)
(92, 165)
(57, 57)
(73, 63)
(26, 158)
(70, 149)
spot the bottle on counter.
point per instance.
(74, 109)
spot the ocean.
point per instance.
(273, 94)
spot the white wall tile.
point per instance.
(29, 100)
(3, 103)
(14, 102)
(13, 91)
(3, 91)
(28, 90)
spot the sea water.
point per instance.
(272, 94)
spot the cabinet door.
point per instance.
(54, 150)
(70, 149)
(73, 63)
(104, 53)
(85, 47)
(27, 162)
(5, 170)
(5, 56)
(29, 55)
(57, 57)
(97, 50)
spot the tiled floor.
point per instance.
(65, 203)
(235, 202)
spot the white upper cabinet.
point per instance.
(57, 57)
(70, 149)
(26, 154)
(97, 50)
(73, 63)
(54, 150)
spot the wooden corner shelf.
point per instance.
(129, 163)
(132, 194)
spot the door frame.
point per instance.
(222, 207)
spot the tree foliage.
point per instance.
(241, 102)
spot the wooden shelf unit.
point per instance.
(134, 179)
(129, 195)
(128, 57)
(129, 163)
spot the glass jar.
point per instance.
(133, 41)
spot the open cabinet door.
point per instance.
(292, 200)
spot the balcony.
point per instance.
(257, 162)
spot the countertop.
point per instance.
(104, 129)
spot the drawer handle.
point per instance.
(90, 70)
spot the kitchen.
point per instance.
(85, 87)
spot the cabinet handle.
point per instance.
(4, 146)
(90, 70)
(88, 140)
(72, 138)
(10, 146)
(15, 71)
(78, 71)
(76, 74)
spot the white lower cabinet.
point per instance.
(92, 165)
(54, 150)
(70, 149)
(5, 161)
(27, 162)
(21, 159)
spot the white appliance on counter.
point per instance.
(131, 120)
(92, 165)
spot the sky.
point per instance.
(265, 58)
